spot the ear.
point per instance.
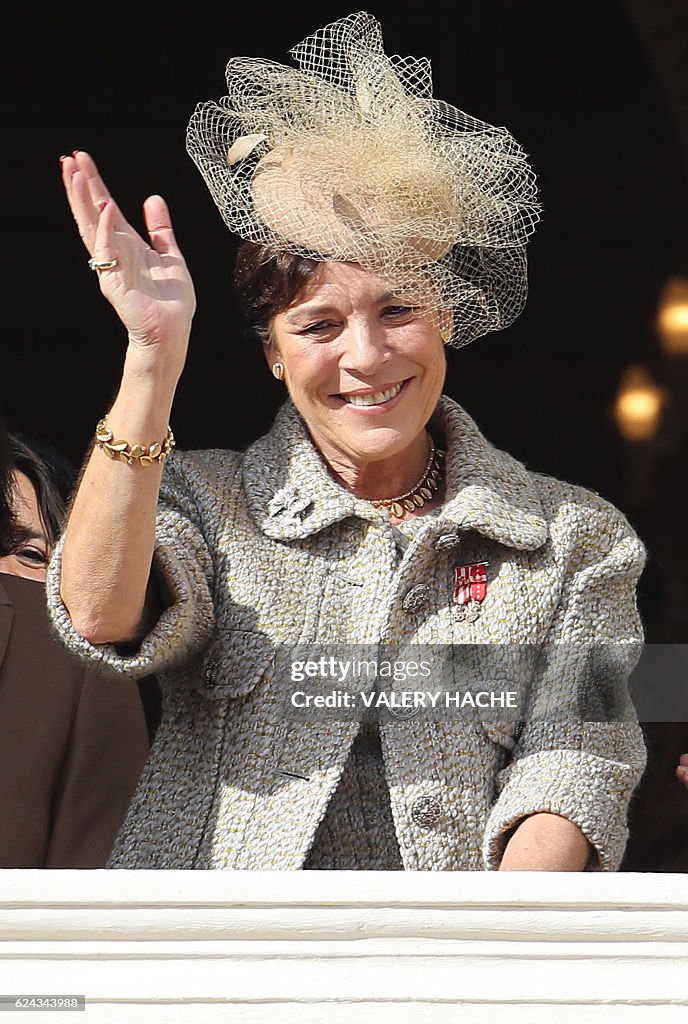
(271, 353)
(446, 326)
(272, 357)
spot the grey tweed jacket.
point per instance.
(263, 549)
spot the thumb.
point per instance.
(159, 226)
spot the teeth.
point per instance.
(375, 399)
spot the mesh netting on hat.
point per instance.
(349, 158)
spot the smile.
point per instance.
(375, 397)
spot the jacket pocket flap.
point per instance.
(235, 663)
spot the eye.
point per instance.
(31, 556)
(321, 327)
(399, 312)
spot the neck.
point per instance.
(382, 478)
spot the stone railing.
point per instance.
(348, 947)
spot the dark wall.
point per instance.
(570, 80)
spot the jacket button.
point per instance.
(447, 541)
(416, 597)
(426, 811)
(404, 713)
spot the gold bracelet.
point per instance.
(146, 455)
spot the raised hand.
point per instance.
(149, 286)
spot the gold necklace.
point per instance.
(423, 491)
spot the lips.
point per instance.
(373, 397)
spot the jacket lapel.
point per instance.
(487, 490)
(291, 495)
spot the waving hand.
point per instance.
(149, 284)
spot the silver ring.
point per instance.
(102, 264)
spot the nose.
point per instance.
(365, 348)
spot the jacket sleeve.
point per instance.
(183, 564)
(580, 752)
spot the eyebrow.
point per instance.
(25, 533)
(307, 312)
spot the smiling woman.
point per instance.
(381, 226)
(364, 370)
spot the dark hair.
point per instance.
(7, 520)
(52, 476)
(267, 282)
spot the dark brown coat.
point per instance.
(72, 743)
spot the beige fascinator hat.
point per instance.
(348, 157)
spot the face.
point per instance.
(364, 370)
(30, 560)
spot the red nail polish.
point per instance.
(103, 204)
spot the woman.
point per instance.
(7, 519)
(72, 745)
(41, 481)
(381, 225)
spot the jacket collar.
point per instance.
(291, 495)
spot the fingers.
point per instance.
(159, 225)
(75, 190)
(97, 215)
(86, 193)
(96, 186)
(104, 241)
(85, 214)
(66, 167)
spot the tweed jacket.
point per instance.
(263, 548)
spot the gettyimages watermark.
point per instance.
(398, 686)
(500, 683)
